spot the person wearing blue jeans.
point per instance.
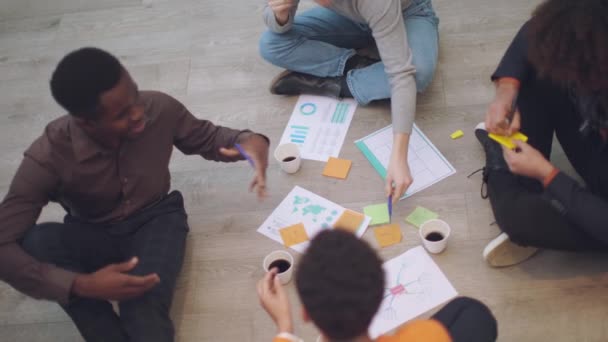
(319, 50)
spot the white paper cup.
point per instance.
(284, 276)
(435, 226)
(289, 150)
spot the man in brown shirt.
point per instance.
(106, 163)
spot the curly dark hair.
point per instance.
(569, 43)
(340, 282)
(81, 77)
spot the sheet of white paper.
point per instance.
(427, 165)
(414, 285)
(303, 206)
(319, 125)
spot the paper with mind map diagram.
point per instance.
(313, 211)
(414, 285)
(318, 125)
(427, 165)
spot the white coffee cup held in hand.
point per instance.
(288, 156)
(434, 234)
(282, 261)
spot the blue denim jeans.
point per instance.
(156, 235)
(321, 41)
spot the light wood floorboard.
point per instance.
(205, 53)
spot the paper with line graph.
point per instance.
(319, 125)
(414, 285)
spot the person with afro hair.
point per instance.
(553, 79)
(340, 282)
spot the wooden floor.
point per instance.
(205, 53)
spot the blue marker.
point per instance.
(245, 155)
(390, 206)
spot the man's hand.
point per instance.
(497, 120)
(281, 9)
(398, 177)
(275, 301)
(527, 161)
(257, 148)
(112, 282)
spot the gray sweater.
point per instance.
(385, 19)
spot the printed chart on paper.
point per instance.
(302, 206)
(318, 125)
(427, 165)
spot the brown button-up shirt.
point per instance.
(95, 183)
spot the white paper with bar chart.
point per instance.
(318, 125)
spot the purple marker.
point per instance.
(245, 155)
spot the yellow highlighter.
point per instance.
(508, 141)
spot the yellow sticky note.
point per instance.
(294, 235)
(337, 168)
(459, 133)
(388, 235)
(508, 141)
(350, 220)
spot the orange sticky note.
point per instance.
(294, 235)
(337, 168)
(350, 220)
(387, 235)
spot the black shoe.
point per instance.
(359, 62)
(296, 83)
(494, 158)
(495, 161)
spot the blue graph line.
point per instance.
(339, 115)
(298, 134)
(299, 127)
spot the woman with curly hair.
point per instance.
(552, 79)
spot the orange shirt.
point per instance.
(427, 330)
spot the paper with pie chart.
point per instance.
(318, 125)
(301, 206)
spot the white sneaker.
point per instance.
(502, 252)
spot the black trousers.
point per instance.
(521, 207)
(468, 320)
(156, 235)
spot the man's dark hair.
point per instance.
(81, 77)
(340, 281)
(569, 43)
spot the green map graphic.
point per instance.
(304, 206)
